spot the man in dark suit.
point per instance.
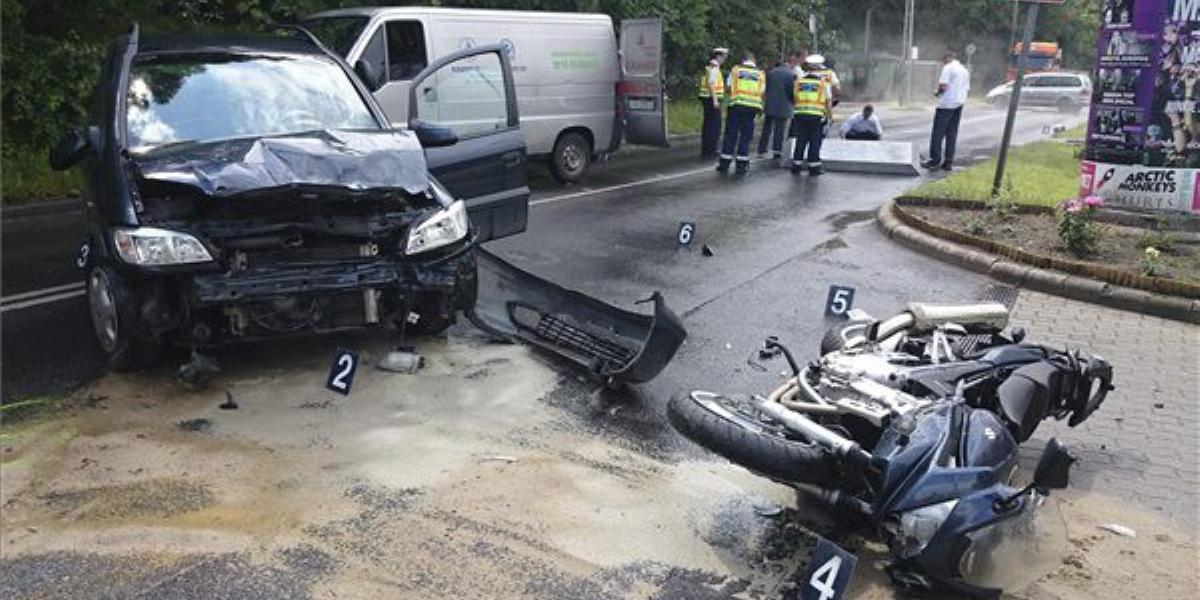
(777, 106)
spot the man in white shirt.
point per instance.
(952, 90)
(863, 125)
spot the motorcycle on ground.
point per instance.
(909, 427)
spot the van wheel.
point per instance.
(571, 158)
(109, 303)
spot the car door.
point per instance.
(471, 92)
(641, 95)
(1038, 89)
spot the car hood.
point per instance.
(355, 160)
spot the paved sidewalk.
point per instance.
(1143, 445)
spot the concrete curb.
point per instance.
(46, 207)
(1042, 280)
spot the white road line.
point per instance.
(622, 186)
(41, 292)
(42, 300)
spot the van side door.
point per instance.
(641, 94)
(471, 92)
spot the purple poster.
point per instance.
(1144, 109)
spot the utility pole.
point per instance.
(867, 35)
(906, 56)
(1026, 40)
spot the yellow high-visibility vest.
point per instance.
(809, 97)
(720, 85)
(746, 86)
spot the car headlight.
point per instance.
(444, 227)
(150, 246)
(917, 526)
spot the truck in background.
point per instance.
(580, 89)
(1043, 56)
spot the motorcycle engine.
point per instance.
(865, 384)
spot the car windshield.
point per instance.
(174, 99)
(337, 33)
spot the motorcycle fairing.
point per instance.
(614, 345)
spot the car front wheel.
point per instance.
(109, 303)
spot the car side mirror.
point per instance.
(75, 145)
(1054, 468)
(368, 74)
(433, 136)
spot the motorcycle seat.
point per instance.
(990, 316)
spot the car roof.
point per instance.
(228, 44)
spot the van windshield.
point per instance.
(194, 98)
(337, 33)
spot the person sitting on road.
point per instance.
(863, 125)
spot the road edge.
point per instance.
(41, 207)
(1035, 278)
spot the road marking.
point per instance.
(43, 300)
(42, 292)
(622, 186)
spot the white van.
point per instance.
(577, 95)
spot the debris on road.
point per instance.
(1118, 529)
(228, 404)
(707, 250)
(196, 425)
(499, 458)
(402, 361)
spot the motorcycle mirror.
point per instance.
(1018, 334)
(1054, 468)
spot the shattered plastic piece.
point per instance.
(500, 458)
(228, 404)
(1120, 530)
(401, 361)
(707, 250)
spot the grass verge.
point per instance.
(684, 116)
(1043, 173)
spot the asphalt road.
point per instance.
(780, 241)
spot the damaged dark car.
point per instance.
(245, 188)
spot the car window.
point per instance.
(406, 50)
(375, 54)
(214, 97)
(336, 33)
(466, 95)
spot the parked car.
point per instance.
(579, 91)
(1066, 91)
(249, 187)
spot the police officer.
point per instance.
(712, 92)
(833, 86)
(746, 85)
(813, 109)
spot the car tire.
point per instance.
(844, 335)
(110, 307)
(571, 158)
(767, 453)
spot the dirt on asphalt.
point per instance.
(490, 474)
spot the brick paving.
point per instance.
(1143, 445)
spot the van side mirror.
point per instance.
(75, 145)
(368, 74)
(433, 136)
(1054, 468)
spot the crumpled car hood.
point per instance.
(354, 160)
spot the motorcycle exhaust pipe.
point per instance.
(834, 499)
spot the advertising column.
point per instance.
(1143, 144)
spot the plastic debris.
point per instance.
(766, 508)
(228, 404)
(500, 458)
(401, 361)
(707, 250)
(1120, 530)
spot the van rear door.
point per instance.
(471, 92)
(641, 93)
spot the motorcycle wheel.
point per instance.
(844, 335)
(732, 427)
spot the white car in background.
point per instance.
(1066, 91)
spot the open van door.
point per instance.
(463, 107)
(641, 93)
